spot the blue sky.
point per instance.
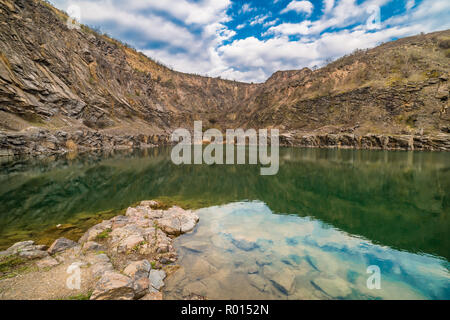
(248, 40)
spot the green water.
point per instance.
(394, 200)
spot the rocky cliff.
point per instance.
(65, 89)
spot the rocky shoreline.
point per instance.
(439, 142)
(44, 142)
(124, 258)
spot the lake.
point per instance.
(309, 232)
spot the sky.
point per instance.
(249, 40)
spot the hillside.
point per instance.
(64, 89)
(398, 87)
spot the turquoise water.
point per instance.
(323, 219)
(245, 251)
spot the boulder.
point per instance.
(92, 233)
(93, 246)
(113, 286)
(97, 258)
(130, 243)
(177, 221)
(101, 268)
(141, 287)
(60, 245)
(15, 248)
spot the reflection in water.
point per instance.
(244, 251)
(396, 200)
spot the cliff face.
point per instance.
(399, 87)
(66, 89)
(55, 77)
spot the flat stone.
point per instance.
(92, 233)
(138, 269)
(60, 245)
(113, 286)
(156, 278)
(177, 221)
(93, 246)
(33, 254)
(47, 262)
(130, 243)
(19, 246)
(97, 258)
(99, 269)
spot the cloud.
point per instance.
(194, 36)
(299, 7)
(246, 8)
(259, 19)
(328, 5)
(410, 4)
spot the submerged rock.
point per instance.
(156, 278)
(335, 287)
(244, 244)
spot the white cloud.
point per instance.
(299, 7)
(246, 8)
(410, 4)
(194, 37)
(328, 5)
(259, 19)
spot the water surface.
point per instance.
(395, 205)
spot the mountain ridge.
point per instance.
(66, 89)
